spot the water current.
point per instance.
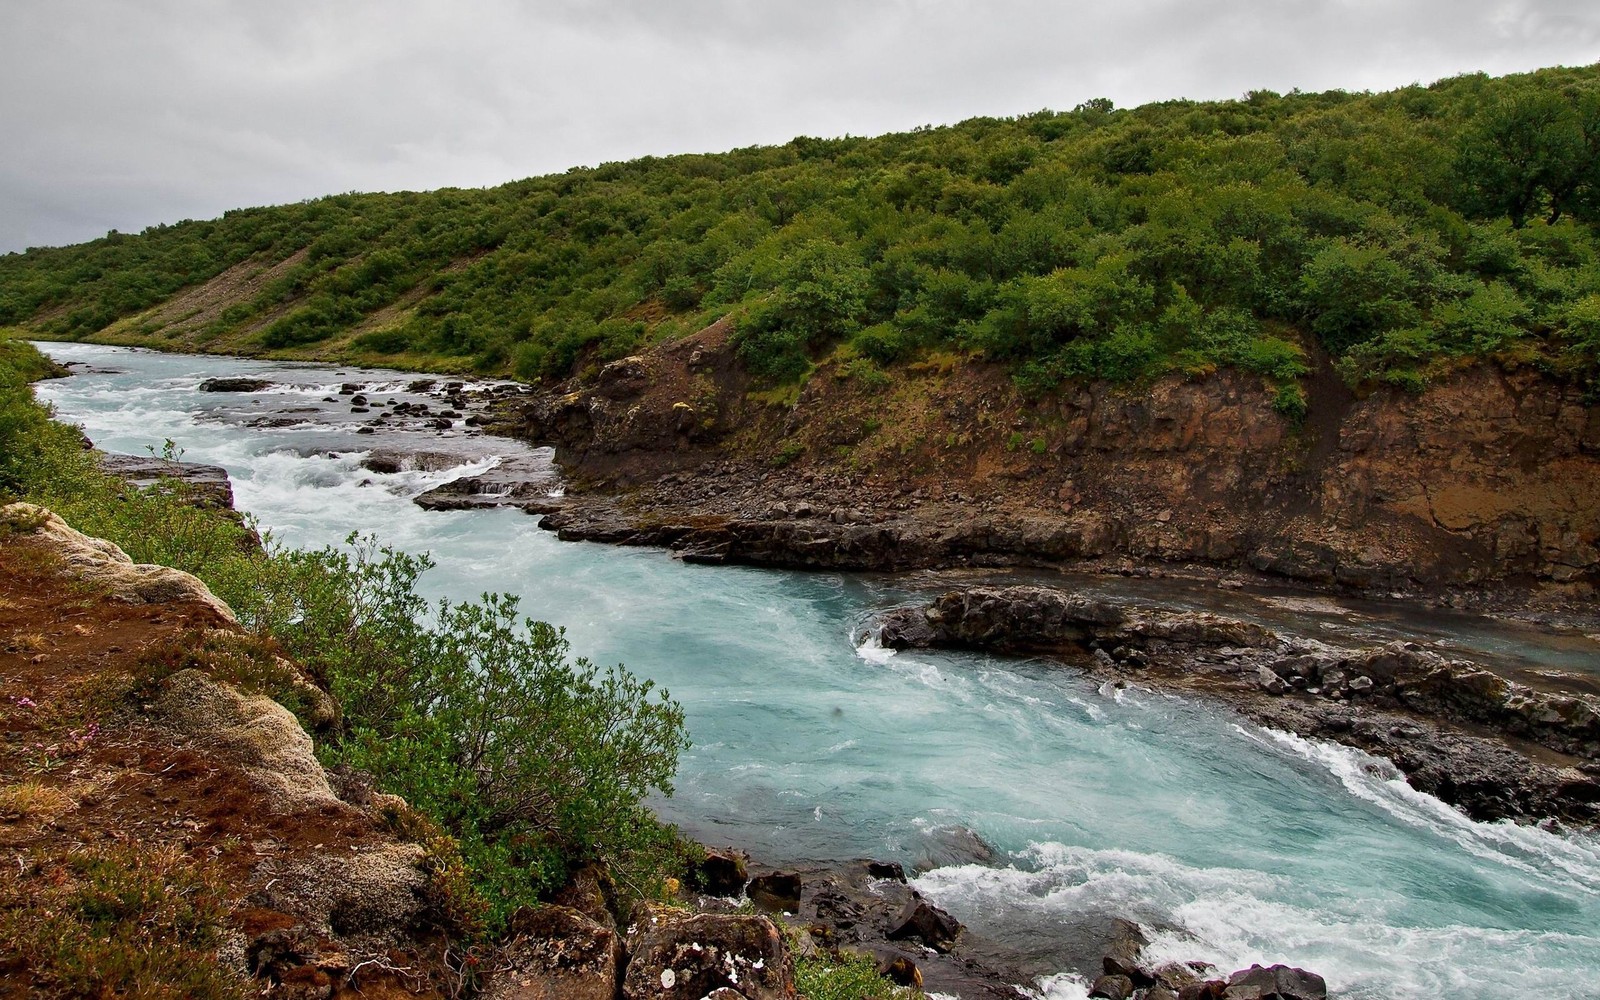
(1239, 844)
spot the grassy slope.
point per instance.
(1092, 243)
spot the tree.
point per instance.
(1523, 152)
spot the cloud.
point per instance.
(122, 115)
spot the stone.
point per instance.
(892, 870)
(1112, 988)
(676, 955)
(921, 919)
(777, 893)
(722, 873)
(1277, 982)
(1359, 684)
(901, 971)
(1270, 681)
(107, 567)
(558, 953)
(239, 384)
(588, 891)
(1122, 956)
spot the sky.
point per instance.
(121, 114)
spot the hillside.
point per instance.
(1403, 234)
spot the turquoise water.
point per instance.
(1245, 845)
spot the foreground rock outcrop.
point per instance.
(173, 759)
(1492, 746)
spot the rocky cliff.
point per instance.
(1486, 478)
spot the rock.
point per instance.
(921, 919)
(1104, 660)
(1211, 989)
(892, 870)
(359, 399)
(100, 563)
(259, 735)
(1122, 957)
(723, 873)
(589, 891)
(955, 845)
(901, 971)
(1270, 681)
(235, 385)
(675, 955)
(777, 893)
(1112, 988)
(1360, 684)
(558, 953)
(378, 891)
(1278, 982)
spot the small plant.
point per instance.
(786, 455)
(119, 920)
(34, 800)
(847, 977)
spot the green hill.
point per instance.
(1404, 233)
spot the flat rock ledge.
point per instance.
(1495, 748)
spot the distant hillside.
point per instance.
(1403, 233)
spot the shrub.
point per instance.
(537, 763)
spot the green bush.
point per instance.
(535, 762)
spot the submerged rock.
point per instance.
(235, 384)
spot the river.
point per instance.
(1237, 844)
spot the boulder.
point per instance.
(777, 893)
(106, 567)
(1277, 982)
(901, 971)
(676, 955)
(558, 953)
(921, 919)
(590, 892)
(1122, 956)
(722, 873)
(891, 870)
(1110, 987)
(235, 384)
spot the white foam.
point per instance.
(1566, 862)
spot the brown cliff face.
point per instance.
(1486, 478)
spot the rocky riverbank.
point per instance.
(1493, 747)
(1474, 492)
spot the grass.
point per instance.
(34, 800)
(848, 977)
(118, 920)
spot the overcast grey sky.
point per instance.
(124, 113)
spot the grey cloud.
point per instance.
(121, 115)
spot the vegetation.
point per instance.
(534, 763)
(119, 920)
(1403, 233)
(846, 978)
